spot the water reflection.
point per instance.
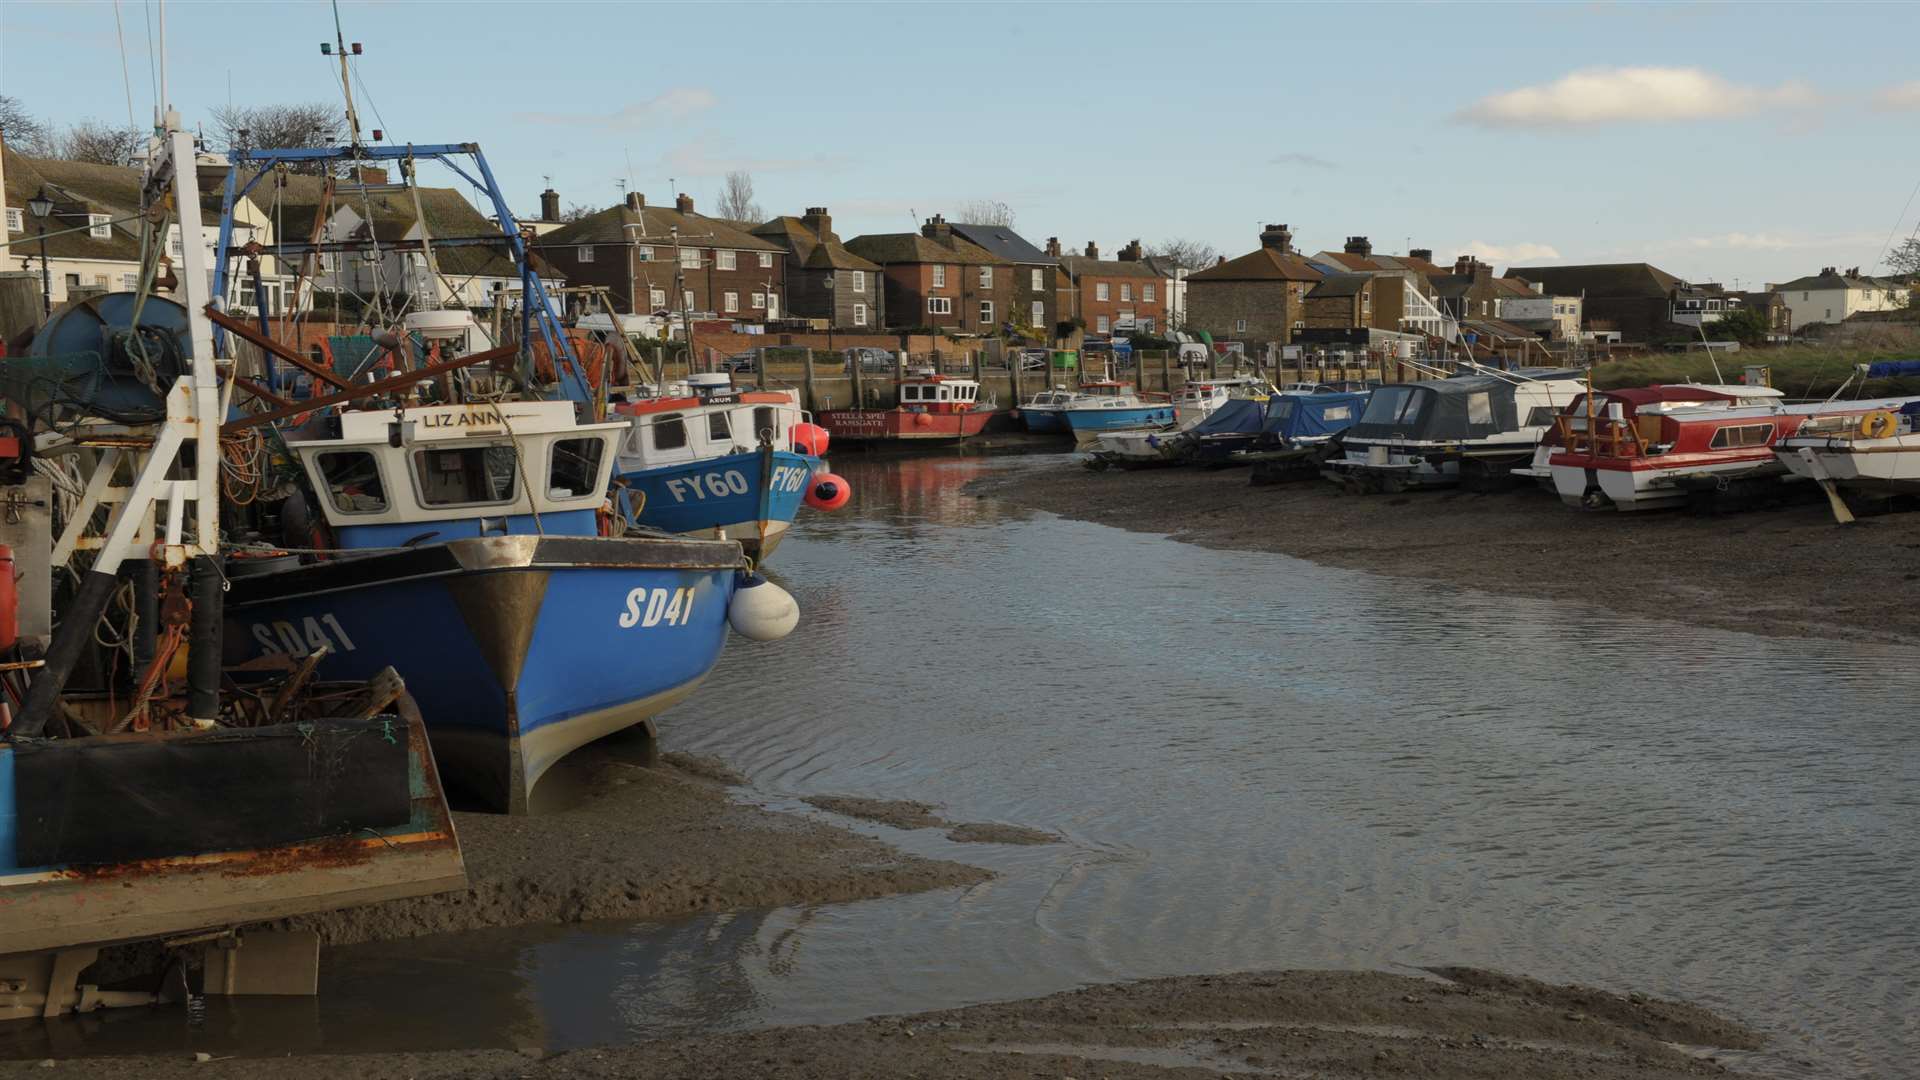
(1257, 762)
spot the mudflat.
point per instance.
(1785, 571)
(1448, 1024)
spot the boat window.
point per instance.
(910, 393)
(576, 468)
(1393, 405)
(1337, 412)
(766, 423)
(669, 432)
(1282, 410)
(1542, 416)
(719, 428)
(466, 474)
(944, 395)
(353, 482)
(1743, 435)
(1480, 408)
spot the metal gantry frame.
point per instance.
(536, 312)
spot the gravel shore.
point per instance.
(1786, 571)
(1453, 1024)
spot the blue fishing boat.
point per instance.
(466, 548)
(723, 464)
(1120, 412)
(1042, 414)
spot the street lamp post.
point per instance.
(40, 206)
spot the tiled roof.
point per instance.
(891, 248)
(1002, 241)
(793, 234)
(76, 189)
(1262, 264)
(1827, 280)
(1080, 265)
(1339, 285)
(1600, 280)
(654, 223)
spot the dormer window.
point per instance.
(99, 226)
(16, 221)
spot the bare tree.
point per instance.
(735, 201)
(577, 212)
(1192, 254)
(297, 126)
(25, 132)
(984, 212)
(99, 144)
(1905, 257)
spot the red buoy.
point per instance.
(810, 439)
(828, 491)
(922, 420)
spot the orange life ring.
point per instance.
(1879, 424)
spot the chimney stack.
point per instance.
(549, 205)
(1359, 245)
(1132, 252)
(1424, 254)
(636, 201)
(1053, 247)
(1468, 266)
(1093, 250)
(684, 204)
(1277, 237)
(936, 228)
(819, 222)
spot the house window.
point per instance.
(1239, 326)
(643, 253)
(1126, 292)
(1100, 291)
(939, 305)
(1146, 293)
(1039, 280)
(1039, 311)
(1101, 326)
(939, 277)
(986, 313)
(986, 277)
(16, 222)
(859, 281)
(766, 260)
(657, 298)
(584, 252)
(859, 314)
(732, 302)
(726, 260)
(759, 301)
(686, 299)
(1146, 326)
(129, 282)
(690, 258)
(98, 227)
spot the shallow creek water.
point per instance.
(1254, 762)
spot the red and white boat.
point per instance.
(1652, 456)
(1633, 402)
(932, 407)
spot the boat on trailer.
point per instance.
(1469, 429)
(1298, 433)
(1875, 453)
(933, 408)
(718, 463)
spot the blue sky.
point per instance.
(1746, 143)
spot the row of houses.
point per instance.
(955, 277)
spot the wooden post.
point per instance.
(806, 379)
(1013, 376)
(760, 368)
(900, 371)
(1213, 365)
(854, 372)
(1166, 372)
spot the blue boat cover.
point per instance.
(1887, 369)
(1306, 416)
(1235, 415)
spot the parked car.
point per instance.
(870, 358)
(746, 361)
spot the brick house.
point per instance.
(720, 270)
(1340, 301)
(1402, 296)
(824, 280)
(1111, 294)
(1635, 299)
(1260, 296)
(1772, 305)
(937, 278)
(1037, 280)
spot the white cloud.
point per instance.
(705, 157)
(1768, 241)
(1508, 253)
(677, 103)
(1898, 97)
(1622, 95)
(1308, 160)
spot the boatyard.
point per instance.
(451, 630)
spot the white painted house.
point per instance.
(1830, 296)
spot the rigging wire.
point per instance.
(1888, 246)
(126, 76)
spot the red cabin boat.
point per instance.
(932, 407)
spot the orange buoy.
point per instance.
(810, 439)
(922, 420)
(828, 491)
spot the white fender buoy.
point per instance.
(761, 610)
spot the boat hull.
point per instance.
(1647, 488)
(883, 425)
(518, 649)
(1888, 466)
(751, 497)
(1083, 420)
(1042, 421)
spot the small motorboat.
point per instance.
(1469, 429)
